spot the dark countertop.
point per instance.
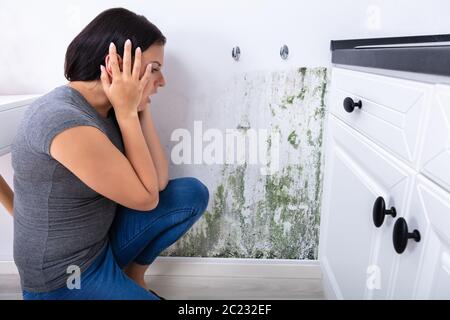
(428, 54)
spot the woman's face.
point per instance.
(155, 55)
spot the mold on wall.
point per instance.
(276, 215)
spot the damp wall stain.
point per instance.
(275, 216)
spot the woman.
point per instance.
(93, 203)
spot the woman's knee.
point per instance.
(203, 192)
(192, 190)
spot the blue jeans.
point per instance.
(136, 236)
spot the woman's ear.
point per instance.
(108, 64)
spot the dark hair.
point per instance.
(90, 47)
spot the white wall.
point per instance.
(201, 34)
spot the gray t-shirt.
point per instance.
(58, 220)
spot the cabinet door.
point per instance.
(424, 268)
(435, 159)
(356, 257)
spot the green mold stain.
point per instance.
(280, 220)
(275, 190)
(290, 99)
(302, 71)
(320, 112)
(272, 110)
(302, 93)
(293, 139)
(309, 138)
(243, 127)
(282, 106)
(262, 236)
(303, 90)
(283, 195)
(236, 183)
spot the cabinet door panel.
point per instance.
(435, 160)
(431, 268)
(356, 173)
(391, 113)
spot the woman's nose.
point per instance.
(162, 81)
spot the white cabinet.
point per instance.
(12, 108)
(424, 271)
(435, 160)
(357, 172)
(396, 146)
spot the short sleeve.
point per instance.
(49, 120)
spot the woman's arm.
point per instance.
(160, 162)
(6, 196)
(91, 156)
(154, 146)
(128, 179)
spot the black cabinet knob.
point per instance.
(401, 235)
(379, 211)
(349, 104)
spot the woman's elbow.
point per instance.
(163, 184)
(150, 202)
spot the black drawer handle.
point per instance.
(401, 235)
(349, 104)
(379, 211)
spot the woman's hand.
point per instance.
(144, 107)
(126, 89)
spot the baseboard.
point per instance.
(221, 267)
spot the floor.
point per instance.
(209, 288)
